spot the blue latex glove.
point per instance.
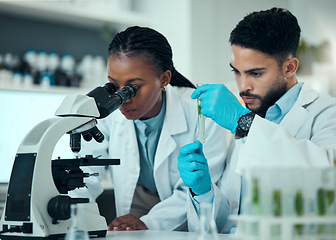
(220, 104)
(194, 169)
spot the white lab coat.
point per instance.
(305, 137)
(180, 127)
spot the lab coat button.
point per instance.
(234, 204)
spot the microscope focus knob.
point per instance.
(59, 207)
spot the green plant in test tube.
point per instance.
(255, 196)
(276, 229)
(201, 120)
(255, 192)
(199, 107)
(330, 197)
(277, 203)
(299, 210)
(321, 207)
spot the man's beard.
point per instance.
(273, 95)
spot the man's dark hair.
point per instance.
(146, 42)
(275, 32)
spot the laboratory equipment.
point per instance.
(201, 120)
(208, 229)
(78, 228)
(288, 203)
(37, 205)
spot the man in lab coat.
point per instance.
(284, 123)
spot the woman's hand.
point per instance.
(127, 222)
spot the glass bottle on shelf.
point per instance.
(78, 228)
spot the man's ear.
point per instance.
(290, 67)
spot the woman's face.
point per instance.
(137, 71)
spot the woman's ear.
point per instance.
(165, 78)
(290, 67)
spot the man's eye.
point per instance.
(255, 74)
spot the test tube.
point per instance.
(201, 120)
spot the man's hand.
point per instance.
(220, 104)
(127, 222)
(193, 168)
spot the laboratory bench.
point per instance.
(151, 234)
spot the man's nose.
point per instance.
(245, 84)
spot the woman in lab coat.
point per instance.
(147, 133)
(291, 124)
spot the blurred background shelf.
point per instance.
(79, 28)
(40, 89)
(87, 14)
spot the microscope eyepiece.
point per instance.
(127, 92)
(108, 104)
(110, 88)
(107, 100)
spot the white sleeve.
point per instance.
(220, 211)
(207, 197)
(271, 145)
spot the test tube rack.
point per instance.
(283, 228)
(272, 209)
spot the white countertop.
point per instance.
(150, 234)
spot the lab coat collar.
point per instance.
(175, 119)
(298, 111)
(174, 123)
(307, 96)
